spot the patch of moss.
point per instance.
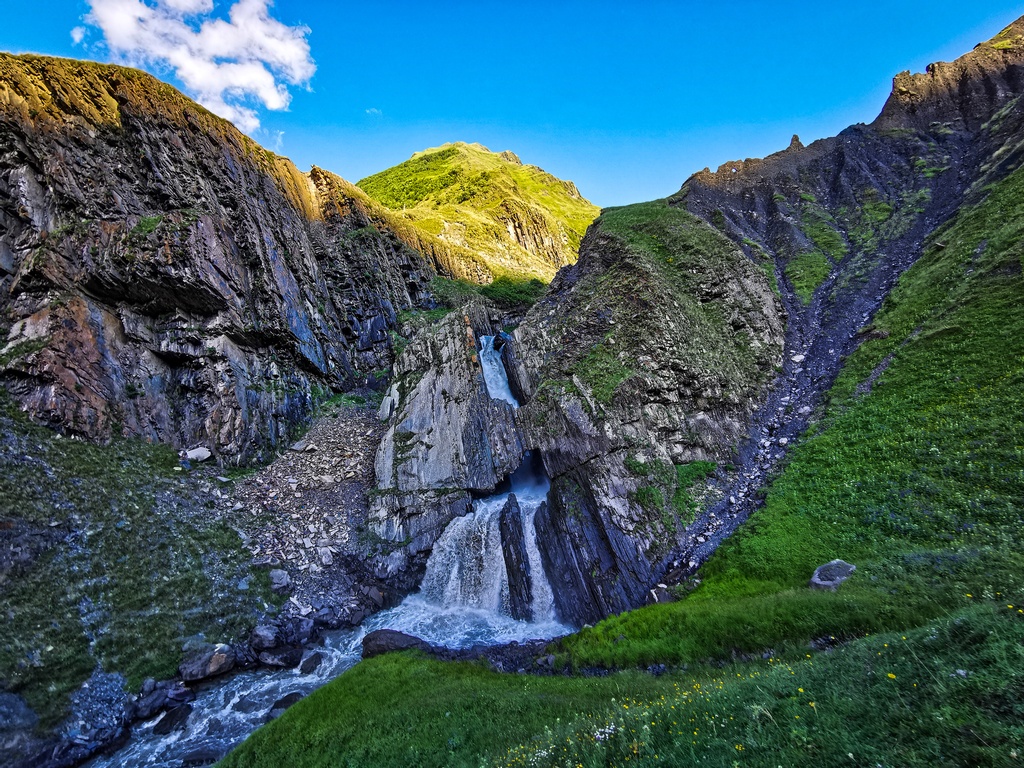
(806, 272)
(603, 372)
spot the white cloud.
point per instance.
(373, 111)
(231, 66)
(77, 35)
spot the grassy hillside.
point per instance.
(128, 561)
(513, 218)
(914, 472)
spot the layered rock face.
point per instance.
(163, 276)
(653, 351)
(965, 93)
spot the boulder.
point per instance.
(287, 658)
(264, 637)
(280, 581)
(173, 720)
(383, 641)
(207, 662)
(830, 575)
(311, 663)
(282, 704)
(200, 453)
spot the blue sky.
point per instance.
(625, 99)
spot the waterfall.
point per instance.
(464, 601)
(467, 567)
(494, 372)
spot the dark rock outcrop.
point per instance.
(960, 95)
(517, 562)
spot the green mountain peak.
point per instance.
(497, 215)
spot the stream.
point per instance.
(463, 601)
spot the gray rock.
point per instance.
(264, 637)
(201, 453)
(173, 720)
(280, 581)
(311, 663)
(282, 704)
(830, 575)
(287, 658)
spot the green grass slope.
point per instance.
(512, 219)
(914, 472)
(135, 564)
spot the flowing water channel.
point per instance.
(463, 601)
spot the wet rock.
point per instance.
(383, 641)
(830, 575)
(173, 720)
(287, 658)
(282, 704)
(311, 663)
(517, 563)
(205, 755)
(208, 662)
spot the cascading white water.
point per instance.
(494, 372)
(467, 566)
(464, 601)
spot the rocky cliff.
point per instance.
(161, 275)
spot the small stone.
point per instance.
(798, 358)
(783, 441)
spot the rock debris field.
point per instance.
(304, 513)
